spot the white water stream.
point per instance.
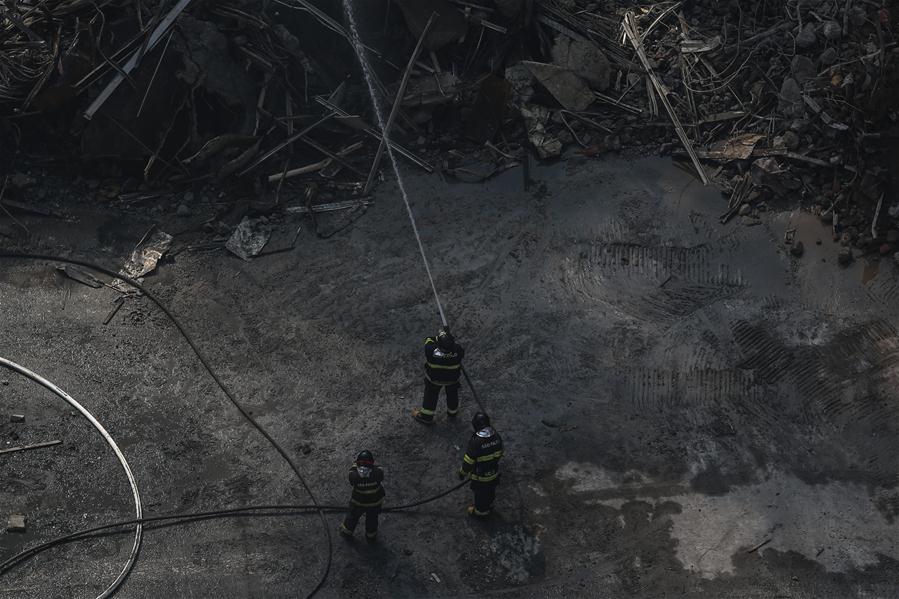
(379, 113)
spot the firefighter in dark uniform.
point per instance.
(443, 363)
(367, 498)
(481, 464)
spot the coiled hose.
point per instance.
(202, 358)
(138, 529)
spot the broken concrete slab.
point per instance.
(585, 60)
(568, 89)
(16, 523)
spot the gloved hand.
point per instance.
(462, 475)
(445, 329)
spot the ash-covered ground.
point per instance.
(689, 409)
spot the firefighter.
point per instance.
(367, 498)
(481, 464)
(443, 363)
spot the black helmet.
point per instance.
(480, 421)
(444, 337)
(365, 458)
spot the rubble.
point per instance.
(583, 59)
(249, 238)
(146, 256)
(800, 99)
(567, 88)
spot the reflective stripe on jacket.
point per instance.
(367, 488)
(443, 364)
(481, 460)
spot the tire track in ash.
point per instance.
(703, 397)
(844, 388)
(764, 354)
(662, 283)
(884, 291)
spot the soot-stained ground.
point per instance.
(689, 410)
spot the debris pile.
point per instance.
(774, 101)
(780, 101)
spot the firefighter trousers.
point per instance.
(484, 494)
(371, 519)
(432, 393)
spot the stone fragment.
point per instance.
(790, 100)
(583, 59)
(803, 68)
(566, 87)
(831, 30)
(15, 523)
(17, 417)
(807, 37)
(829, 56)
(788, 140)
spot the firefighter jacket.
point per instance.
(481, 460)
(443, 364)
(367, 489)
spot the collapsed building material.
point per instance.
(315, 167)
(146, 256)
(566, 87)
(249, 238)
(630, 31)
(400, 95)
(585, 60)
(79, 275)
(135, 59)
(354, 120)
(536, 119)
(333, 206)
